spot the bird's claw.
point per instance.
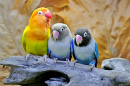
(41, 59)
(27, 57)
(91, 66)
(45, 58)
(67, 60)
(75, 62)
(55, 60)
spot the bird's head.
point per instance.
(40, 17)
(59, 31)
(82, 37)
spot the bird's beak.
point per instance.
(55, 35)
(48, 15)
(78, 39)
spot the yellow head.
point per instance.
(40, 18)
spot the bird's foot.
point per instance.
(27, 57)
(75, 62)
(55, 60)
(41, 59)
(45, 59)
(91, 66)
(67, 62)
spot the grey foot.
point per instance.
(91, 67)
(41, 59)
(45, 59)
(67, 61)
(27, 57)
(75, 62)
(55, 60)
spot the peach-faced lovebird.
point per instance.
(36, 34)
(59, 43)
(85, 48)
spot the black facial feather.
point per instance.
(85, 40)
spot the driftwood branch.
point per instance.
(35, 72)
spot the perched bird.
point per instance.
(85, 48)
(59, 43)
(36, 34)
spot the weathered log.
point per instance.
(35, 72)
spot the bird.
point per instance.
(85, 48)
(36, 34)
(59, 43)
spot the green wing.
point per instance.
(24, 40)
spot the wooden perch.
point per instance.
(35, 72)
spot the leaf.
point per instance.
(107, 20)
(14, 16)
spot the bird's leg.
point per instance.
(27, 57)
(75, 62)
(45, 58)
(92, 64)
(67, 61)
(55, 59)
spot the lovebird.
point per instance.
(36, 34)
(59, 43)
(85, 48)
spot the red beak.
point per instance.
(48, 15)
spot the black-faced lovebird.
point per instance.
(59, 43)
(85, 48)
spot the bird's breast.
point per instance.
(37, 35)
(60, 48)
(86, 52)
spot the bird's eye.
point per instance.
(40, 13)
(85, 34)
(61, 29)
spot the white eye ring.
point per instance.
(85, 34)
(40, 13)
(61, 29)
